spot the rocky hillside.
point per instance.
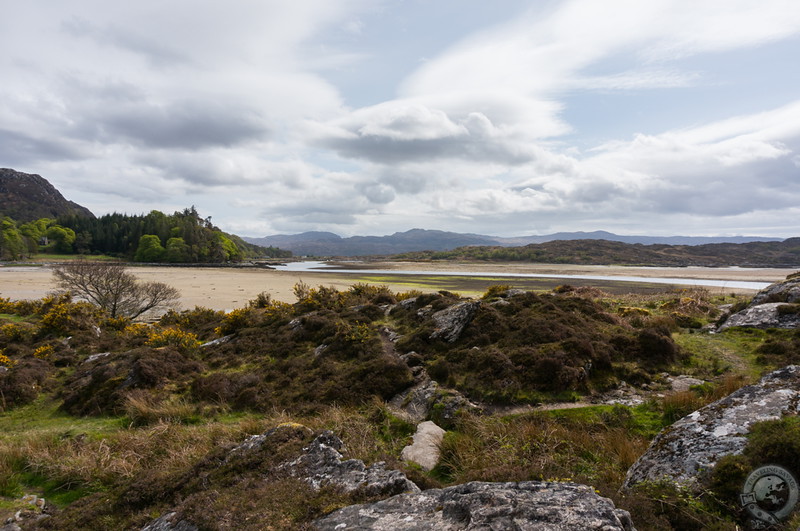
(303, 416)
(27, 197)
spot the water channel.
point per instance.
(323, 267)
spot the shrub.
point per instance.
(15, 333)
(495, 291)
(262, 300)
(44, 352)
(21, 384)
(235, 321)
(185, 342)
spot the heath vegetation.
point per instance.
(114, 421)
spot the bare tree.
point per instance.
(110, 286)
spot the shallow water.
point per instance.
(323, 267)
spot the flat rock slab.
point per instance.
(691, 447)
(762, 316)
(525, 506)
(424, 450)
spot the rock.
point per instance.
(624, 394)
(786, 291)
(762, 316)
(691, 447)
(426, 399)
(763, 311)
(451, 321)
(415, 403)
(219, 341)
(95, 357)
(170, 522)
(683, 382)
(529, 505)
(424, 450)
(322, 465)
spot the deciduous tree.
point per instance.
(110, 286)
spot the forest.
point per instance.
(182, 237)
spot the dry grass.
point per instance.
(539, 447)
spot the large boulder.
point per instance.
(767, 315)
(425, 447)
(529, 505)
(451, 321)
(768, 307)
(691, 447)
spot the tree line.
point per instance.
(183, 237)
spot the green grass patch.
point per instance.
(733, 350)
(12, 318)
(43, 416)
(645, 419)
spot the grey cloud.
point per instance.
(406, 181)
(187, 125)
(378, 193)
(19, 149)
(385, 150)
(153, 51)
(408, 133)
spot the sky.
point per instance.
(369, 117)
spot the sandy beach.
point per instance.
(229, 288)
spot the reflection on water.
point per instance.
(320, 267)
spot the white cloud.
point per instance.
(237, 108)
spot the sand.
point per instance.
(229, 288)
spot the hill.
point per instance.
(602, 252)
(117, 423)
(330, 244)
(28, 197)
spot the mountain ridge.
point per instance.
(28, 196)
(415, 240)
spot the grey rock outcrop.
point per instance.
(764, 311)
(170, 522)
(691, 447)
(450, 322)
(419, 402)
(786, 291)
(322, 465)
(767, 315)
(524, 506)
(425, 448)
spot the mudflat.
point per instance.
(223, 288)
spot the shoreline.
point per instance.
(228, 288)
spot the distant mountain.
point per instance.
(784, 253)
(330, 244)
(645, 240)
(26, 197)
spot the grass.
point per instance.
(43, 417)
(476, 285)
(732, 351)
(166, 430)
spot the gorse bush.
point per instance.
(185, 342)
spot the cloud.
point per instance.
(242, 110)
(184, 124)
(20, 149)
(406, 131)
